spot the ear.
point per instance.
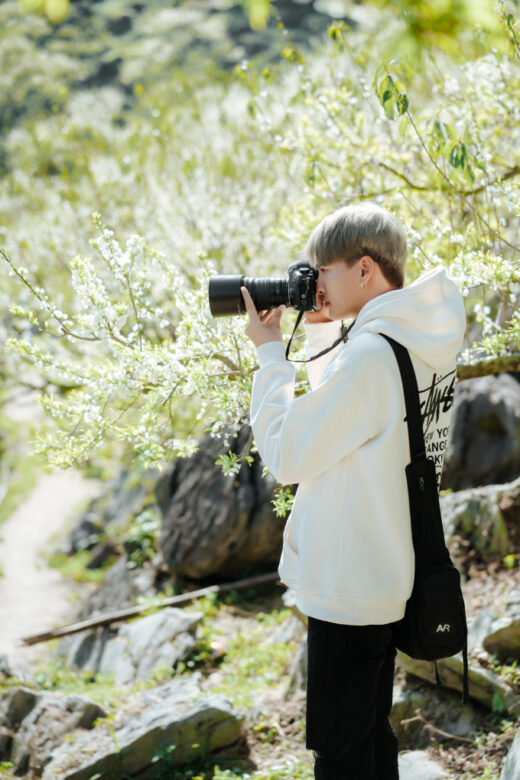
(367, 268)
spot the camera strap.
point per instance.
(344, 337)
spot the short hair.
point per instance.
(361, 229)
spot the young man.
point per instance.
(347, 549)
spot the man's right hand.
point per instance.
(321, 315)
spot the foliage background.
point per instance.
(196, 163)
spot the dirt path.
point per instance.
(34, 597)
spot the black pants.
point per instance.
(349, 698)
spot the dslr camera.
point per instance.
(297, 291)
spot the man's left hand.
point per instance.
(263, 326)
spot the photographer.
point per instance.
(348, 552)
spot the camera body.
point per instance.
(297, 291)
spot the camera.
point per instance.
(298, 291)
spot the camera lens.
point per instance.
(225, 296)
(267, 293)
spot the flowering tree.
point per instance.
(127, 357)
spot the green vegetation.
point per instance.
(252, 665)
(18, 469)
(115, 320)
(76, 567)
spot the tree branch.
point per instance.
(496, 364)
(507, 175)
(404, 178)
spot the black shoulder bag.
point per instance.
(434, 625)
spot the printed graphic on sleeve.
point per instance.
(436, 403)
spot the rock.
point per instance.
(7, 669)
(120, 502)
(475, 515)
(479, 629)
(173, 719)
(134, 650)
(120, 588)
(14, 707)
(483, 446)
(511, 769)
(503, 635)
(102, 553)
(416, 705)
(215, 524)
(405, 704)
(417, 765)
(38, 721)
(484, 686)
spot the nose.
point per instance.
(320, 284)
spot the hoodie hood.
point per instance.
(427, 317)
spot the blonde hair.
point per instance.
(362, 229)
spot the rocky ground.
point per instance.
(247, 649)
(222, 680)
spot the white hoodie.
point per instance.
(347, 549)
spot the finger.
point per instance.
(250, 306)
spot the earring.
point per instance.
(361, 284)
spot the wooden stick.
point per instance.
(130, 612)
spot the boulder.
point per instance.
(133, 651)
(502, 636)
(484, 686)
(476, 516)
(417, 765)
(215, 524)
(37, 722)
(170, 725)
(511, 768)
(484, 441)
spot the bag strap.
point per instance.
(411, 399)
(418, 450)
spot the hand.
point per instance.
(320, 315)
(263, 326)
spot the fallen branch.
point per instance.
(130, 612)
(419, 717)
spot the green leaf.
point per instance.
(458, 157)
(391, 96)
(402, 104)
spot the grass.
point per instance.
(75, 567)
(21, 469)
